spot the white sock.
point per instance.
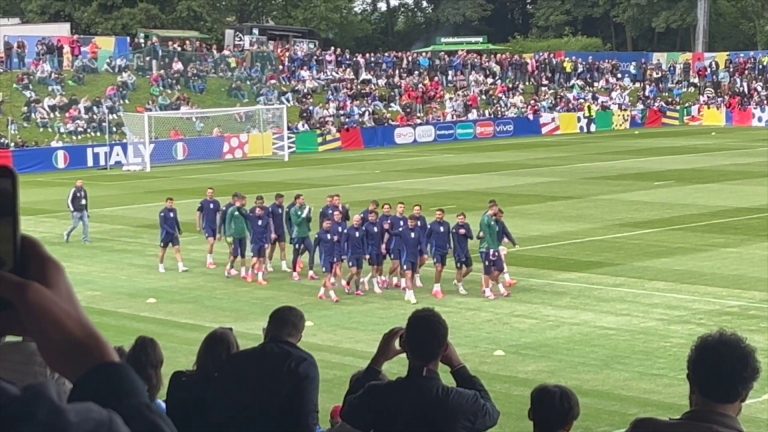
(507, 277)
(436, 287)
(284, 264)
(181, 265)
(394, 280)
(261, 276)
(367, 278)
(333, 294)
(322, 291)
(161, 267)
(402, 282)
(375, 284)
(333, 279)
(210, 258)
(501, 288)
(242, 271)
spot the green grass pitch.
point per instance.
(633, 245)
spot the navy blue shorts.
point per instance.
(411, 266)
(239, 247)
(280, 237)
(209, 232)
(169, 240)
(258, 250)
(439, 258)
(395, 254)
(493, 263)
(355, 261)
(375, 259)
(327, 264)
(463, 261)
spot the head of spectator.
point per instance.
(554, 408)
(217, 346)
(286, 323)
(425, 339)
(146, 359)
(722, 369)
(122, 353)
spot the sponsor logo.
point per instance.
(484, 129)
(180, 151)
(504, 128)
(445, 132)
(465, 131)
(60, 159)
(404, 135)
(425, 134)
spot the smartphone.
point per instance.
(10, 236)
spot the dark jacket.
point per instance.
(108, 398)
(271, 387)
(77, 201)
(186, 400)
(695, 420)
(419, 402)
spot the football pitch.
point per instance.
(633, 244)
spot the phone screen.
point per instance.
(8, 221)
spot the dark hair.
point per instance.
(376, 202)
(279, 195)
(260, 197)
(386, 204)
(336, 196)
(285, 322)
(500, 212)
(400, 203)
(121, 352)
(297, 196)
(210, 188)
(722, 367)
(146, 359)
(553, 407)
(168, 199)
(374, 212)
(217, 346)
(440, 210)
(236, 195)
(413, 217)
(416, 205)
(426, 335)
(461, 214)
(491, 202)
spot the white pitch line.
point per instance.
(664, 182)
(424, 179)
(645, 231)
(443, 207)
(756, 400)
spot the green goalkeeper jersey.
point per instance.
(490, 232)
(237, 223)
(300, 219)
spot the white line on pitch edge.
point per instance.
(421, 179)
(664, 182)
(443, 207)
(760, 399)
(645, 231)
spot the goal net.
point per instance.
(207, 135)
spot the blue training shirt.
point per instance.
(169, 222)
(210, 210)
(461, 241)
(439, 237)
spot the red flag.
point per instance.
(654, 118)
(351, 139)
(742, 118)
(6, 158)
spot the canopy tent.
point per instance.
(461, 47)
(172, 34)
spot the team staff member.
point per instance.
(589, 115)
(238, 229)
(208, 220)
(78, 206)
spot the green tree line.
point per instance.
(651, 25)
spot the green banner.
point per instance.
(604, 120)
(306, 142)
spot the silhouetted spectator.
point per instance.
(146, 358)
(271, 387)
(554, 408)
(419, 401)
(188, 390)
(722, 369)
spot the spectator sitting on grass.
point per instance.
(722, 370)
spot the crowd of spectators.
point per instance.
(335, 88)
(274, 386)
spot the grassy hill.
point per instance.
(215, 97)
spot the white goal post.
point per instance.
(207, 135)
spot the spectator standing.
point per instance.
(75, 48)
(8, 54)
(78, 207)
(188, 390)
(419, 401)
(554, 408)
(21, 53)
(722, 370)
(271, 387)
(146, 359)
(60, 54)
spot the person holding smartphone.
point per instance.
(78, 206)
